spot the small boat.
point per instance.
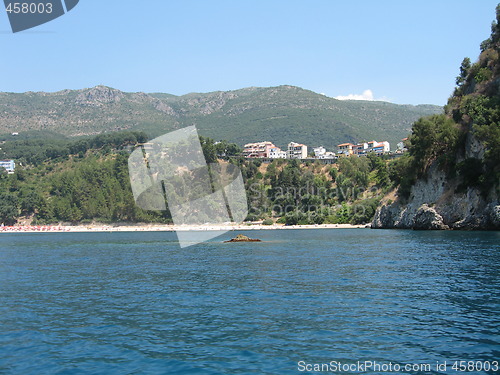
(242, 238)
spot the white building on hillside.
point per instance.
(360, 148)
(379, 147)
(327, 155)
(345, 149)
(401, 146)
(297, 151)
(319, 151)
(258, 149)
(277, 153)
(9, 165)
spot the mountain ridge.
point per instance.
(280, 114)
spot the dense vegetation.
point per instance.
(476, 106)
(314, 193)
(79, 181)
(71, 181)
(472, 115)
(33, 152)
(87, 180)
(434, 139)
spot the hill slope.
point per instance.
(279, 114)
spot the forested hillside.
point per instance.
(88, 181)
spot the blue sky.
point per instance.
(402, 51)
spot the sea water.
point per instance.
(301, 301)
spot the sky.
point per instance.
(406, 52)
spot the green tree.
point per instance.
(31, 201)
(209, 150)
(9, 210)
(333, 173)
(432, 137)
(464, 71)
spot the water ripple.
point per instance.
(136, 303)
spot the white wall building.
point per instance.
(9, 165)
(319, 151)
(345, 149)
(360, 148)
(377, 147)
(401, 147)
(327, 155)
(258, 149)
(297, 151)
(277, 153)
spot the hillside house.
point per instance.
(297, 151)
(258, 149)
(277, 153)
(9, 165)
(345, 149)
(379, 147)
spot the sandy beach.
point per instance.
(164, 227)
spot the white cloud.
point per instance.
(366, 95)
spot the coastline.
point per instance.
(166, 228)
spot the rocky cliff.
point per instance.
(435, 204)
(451, 174)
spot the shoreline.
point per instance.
(166, 228)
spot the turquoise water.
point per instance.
(135, 303)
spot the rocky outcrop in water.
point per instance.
(243, 238)
(428, 218)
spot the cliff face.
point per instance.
(437, 201)
(456, 183)
(434, 204)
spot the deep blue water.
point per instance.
(135, 303)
